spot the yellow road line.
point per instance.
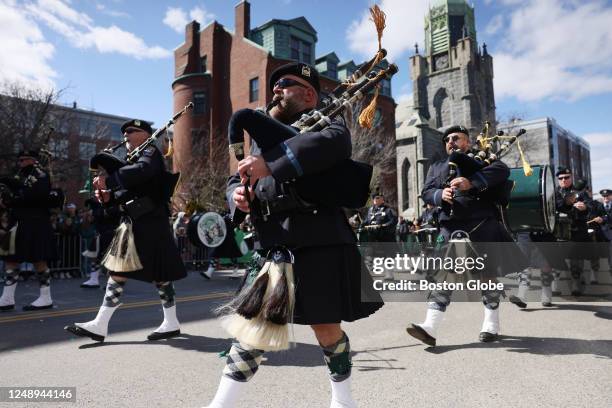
(133, 305)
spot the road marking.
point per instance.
(132, 305)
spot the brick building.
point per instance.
(222, 71)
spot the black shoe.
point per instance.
(6, 308)
(204, 275)
(165, 335)
(547, 304)
(487, 337)
(79, 331)
(29, 308)
(420, 334)
(84, 285)
(517, 301)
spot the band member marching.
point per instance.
(150, 254)
(326, 268)
(468, 204)
(33, 239)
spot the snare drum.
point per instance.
(531, 206)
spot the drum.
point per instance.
(531, 206)
(216, 232)
(427, 237)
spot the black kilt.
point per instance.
(157, 251)
(330, 281)
(34, 241)
(483, 236)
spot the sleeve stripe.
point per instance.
(436, 197)
(292, 159)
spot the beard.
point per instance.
(284, 109)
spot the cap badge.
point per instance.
(306, 71)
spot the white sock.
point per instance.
(432, 322)
(8, 295)
(44, 299)
(93, 278)
(546, 294)
(99, 325)
(341, 394)
(228, 393)
(491, 321)
(170, 322)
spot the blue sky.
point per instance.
(551, 57)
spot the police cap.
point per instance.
(304, 71)
(137, 123)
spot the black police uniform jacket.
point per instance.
(34, 240)
(606, 227)
(327, 264)
(476, 212)
(155, 244)
(384, 217)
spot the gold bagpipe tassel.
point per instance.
(526, 167)
(170, 150)
(261, 313)
(122, 255)
(366, 118)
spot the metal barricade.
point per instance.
(69, 251)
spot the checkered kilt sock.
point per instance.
(114, 290)
(44, 278)
(242, 362)
(338, 359)
(166, 293)
(490, 298)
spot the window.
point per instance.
(306, 52)
(203, 64)
(58, 148)
(295, 48)
(254, 89)
(332, 70)
(199, 103)
(301, 51)
(87, 150)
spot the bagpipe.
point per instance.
(11, 185)
(260, 315)
(108, 162)
(347, 184)
(466, 164)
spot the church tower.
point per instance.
(452, 85)
(453, 80)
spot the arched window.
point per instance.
(405, 184)
(440, 103)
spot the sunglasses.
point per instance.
(452, 138)
(286, 83)
(564, 177)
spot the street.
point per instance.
(547, 357)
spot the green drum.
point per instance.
(532, 202)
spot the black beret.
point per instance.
(605, 192)
(137, 123)
(563, 170)
(28, 153)
(377, 194)
(307, 72)
(456, 129)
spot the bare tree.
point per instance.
(377, 148)
(202, 186)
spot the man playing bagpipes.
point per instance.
(143, 247)
(468, 203)
(312, 275)
(26, 196)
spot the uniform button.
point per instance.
(293, 180)
(314, 212)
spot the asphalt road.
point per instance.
(547, 357)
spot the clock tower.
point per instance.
(453, 80)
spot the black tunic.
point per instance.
(34, 241)
(153, 237)
(328, 267)
(476, 212)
